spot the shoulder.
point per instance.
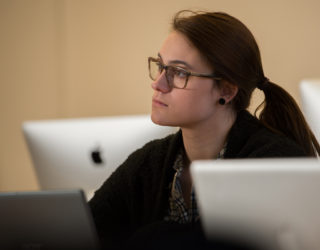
(142, 164)
(150, 158)
(250, 139)
(156, 149)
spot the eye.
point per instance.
(160, 67)
(181, 73)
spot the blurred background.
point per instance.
(88, 58)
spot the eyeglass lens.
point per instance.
(175, 77)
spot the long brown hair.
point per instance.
(230, 48)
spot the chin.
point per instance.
(160, 121)
(156, 120)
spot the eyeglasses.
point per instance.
(176, 76)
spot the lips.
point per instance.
(158, 103)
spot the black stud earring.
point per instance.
(222, 101)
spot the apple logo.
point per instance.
(96, 156)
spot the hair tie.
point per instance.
(262, 85)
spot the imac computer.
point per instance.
(272, 204)
(310, 100)
(46, 220)
(82, 153)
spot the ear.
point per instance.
(228, 90)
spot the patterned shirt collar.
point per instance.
(178, 211)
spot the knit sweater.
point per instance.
(137, 193)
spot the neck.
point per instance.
(206, 139)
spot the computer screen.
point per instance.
(82, 153)
(46, 220)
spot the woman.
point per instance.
(203, 78)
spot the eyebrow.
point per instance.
(178, 62)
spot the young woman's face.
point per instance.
(183, 107)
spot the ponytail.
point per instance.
(281, 114)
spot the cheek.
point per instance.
(196, 104)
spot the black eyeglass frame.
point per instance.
(187, 72)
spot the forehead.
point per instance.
(177, 47)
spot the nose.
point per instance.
(161, 84)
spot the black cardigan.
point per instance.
(136, 194)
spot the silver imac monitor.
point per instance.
(82, 153)
(270, 203)
(310, 101)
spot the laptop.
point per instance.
(82, 153)
(46, 220)
(269, 203)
